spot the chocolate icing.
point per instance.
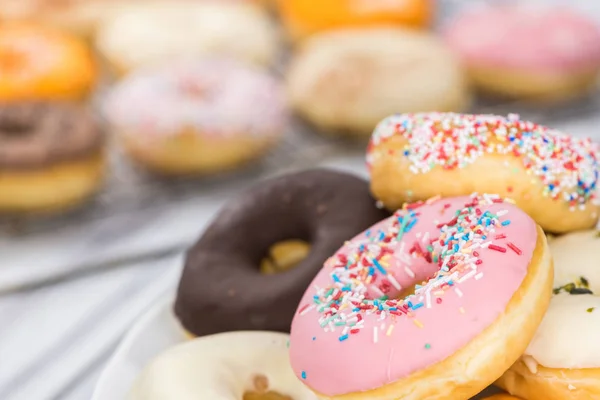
(222, 289)
(34, 135)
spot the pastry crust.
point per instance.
(533, 86)
(551, 383)
(52, 188)
(189, 152)
(504, 341)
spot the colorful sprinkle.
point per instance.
(514, 248)
(427, 346)
(567, 166)
(303, 374)
(362, 281)
(497, 248)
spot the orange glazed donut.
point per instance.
(42, 63)
(305, 17)
(550, 175)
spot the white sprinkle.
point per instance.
(478, 276)
(428, 299)
(409, 272)
(571, 387)
(485, 244)
(425, 238)
(502, 213)
(458, 292)
(394, 282)
(466, 276)
(375, 334)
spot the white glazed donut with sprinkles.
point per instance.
(440, 298)
(550, 175)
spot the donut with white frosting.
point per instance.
(563, 359)
(151, 33)
(197, 115)
(226, 366)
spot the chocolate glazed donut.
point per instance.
(222, 289)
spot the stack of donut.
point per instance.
(437, 301)
(51, 147)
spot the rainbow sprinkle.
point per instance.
(567, 166)
(361, 285)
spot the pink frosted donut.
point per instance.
(197, 115)
(483, 279)
(514, 44)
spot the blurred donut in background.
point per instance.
(197, 116)
(78, 16)
(51, 156)
(305, 17)
(346, 81)
(518, 51)
(150, 33)
(42, 63)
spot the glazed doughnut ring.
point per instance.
(361, 333)
(222, 289)
(41, 63)
(550, 175)
(227, 366)
(563, 359)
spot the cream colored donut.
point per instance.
(563, 359)
(156, 32)
(227, 366)
(550, 175)
(346, 81)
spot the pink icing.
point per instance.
(548, 39)
(214, 96)
(339, 359)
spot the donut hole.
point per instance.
(407, 291)
(261, 391)
(283, 256)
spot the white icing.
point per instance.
(568, 335)
(220, 367)
(151, 33)
(215, 97)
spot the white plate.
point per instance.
(153, 333)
